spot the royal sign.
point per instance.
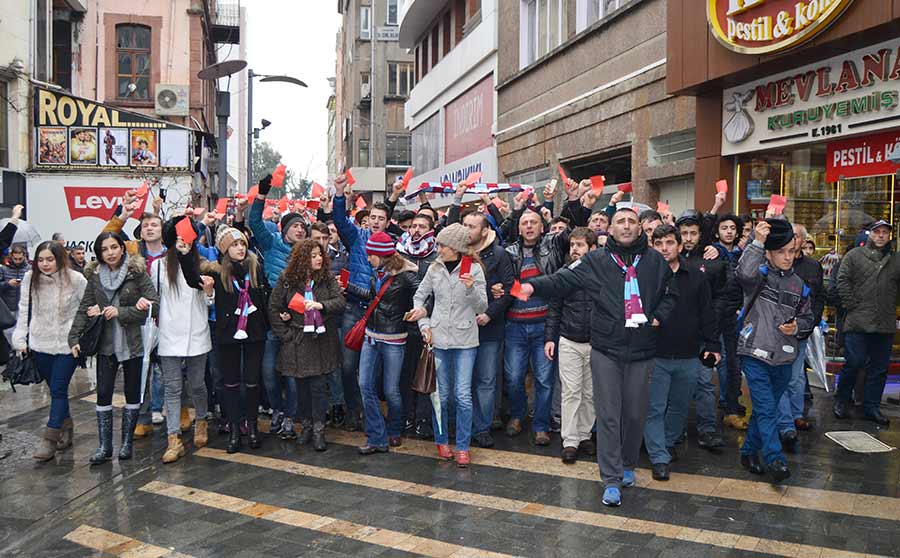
(764, 26)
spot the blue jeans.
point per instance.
(57, 371)
(767, 384)
(350, 359)
(335, 387)
(705, 401)
(487, 361)
(454, 370)
(790, 406)
(862, 350)
(525, 342)
(272, 380)
(391, 359)
(672, 384)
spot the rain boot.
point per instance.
(66, 435)
(234, 439)
(306, 432)
(318, 437)
(129, 422)
(47, 448)
(104, 429)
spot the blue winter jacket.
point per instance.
(354, 238)
(274, 249)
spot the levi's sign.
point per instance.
(763, 26)
(96, 202)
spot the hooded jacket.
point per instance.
(598, 274)
(867, 282)
(782, 296)
(275, 251)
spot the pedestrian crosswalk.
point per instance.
(113, 544)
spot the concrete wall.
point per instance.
(14, 44)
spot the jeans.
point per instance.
(525, 342)
(272, 380)
(672, 384)
(790, 406)
(350, 360)
(154, 394)
(484, 390)
(454, 369)
(767, 384)
(705, 401)
(862, 350)
(576, 392)
(57, 371)
(391, 359)
(172, 376)
(729, 368)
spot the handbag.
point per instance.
(89, 340)
(425, 380)
(357, 334)
(7, 318)
(22, 369)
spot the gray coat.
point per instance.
(452, 320)
(867, 281)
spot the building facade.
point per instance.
(376, 76)
(582, 84)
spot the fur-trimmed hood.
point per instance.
(135, 264)
(407, 266)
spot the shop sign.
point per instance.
(766, 26)
(484, 161)
(866, 156)
(845, 95)
(469, 120)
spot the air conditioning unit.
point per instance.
(171, 100)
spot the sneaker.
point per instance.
(408, 425)
(483, 440)
(157, 418)
(423, 430)
(628, 478)
(276, 426)
(612, 497)
(287, 431)
(264, 410)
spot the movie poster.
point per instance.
(114, 147)
(82, 146)
(144, 148)
(52, 145)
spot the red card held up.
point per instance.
(222, 205)
(283, 204)
(345, 278)
(350, 180)
(662, 207)
(360, 202)
(407, 177)
(777, 204)
(313, 204)
(516, 291)
(278, 176)
(465, 265)
(142, 190)
(625, 187)
(185, 230)
(722, 186)
(597, 184)
(252, 193)
(473, 178)
(297, 303)
(317, 190)
(562, 174)
(498, 203)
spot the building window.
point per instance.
(132, 61)
(392, 9)
(399, 147)
(435, 52)
(62, 53)
(363, 159)
(365, 88)
(424, 62)
(590, 11)
(4, 124)
(365, 23)
(447, 32)
(43, 34)
(401, 78)
(672, 147)
(542, 29)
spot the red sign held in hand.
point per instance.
(722, 186)
(472, 179)
(345, 278)
(252, 193)
(597, 184)
(626, 187)
(350, 180)
(142, 191)
(222, 205)
(185, 230)
(317, 190)
(562, 174)
(283, 204)
(516, 291)
(278, 176)
(777, 204)
(313, 204)
(662, 208)
(298, 303)
(360, 202)
(407, 176)
(465, 265)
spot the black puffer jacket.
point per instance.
(422, 264)
(387, 318)
(498, 268)
(569, 317)
(598, 274)
(811, 272)
(716, 275)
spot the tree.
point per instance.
(265, 159)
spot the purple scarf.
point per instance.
(245, 307)
(634, 310)
(312, 319)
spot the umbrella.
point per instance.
(436, 396)
(26, 233)
(850, 220)
(815, 356)
(149, 337)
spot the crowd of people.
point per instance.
(621, 316)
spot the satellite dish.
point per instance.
(221, 69)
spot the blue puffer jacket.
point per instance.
(354, 238)
(274, 249)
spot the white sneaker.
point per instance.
(157, 418)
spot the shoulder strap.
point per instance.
(380, 294)
(756, 292)
(28, 326)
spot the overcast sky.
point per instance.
(297, 38)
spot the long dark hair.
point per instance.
(174, 265)
(98, 245)
(62, 265)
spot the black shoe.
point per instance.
(877, 418)
(569, 455)
(709, 440)
(752, 463)
(318, 437)
(423, 429)
(661, 471)
(555, 424)
(789, 440)
(740, 410)
(840, 409)
(253, 434)
(483, 440)
(129, 422)
(409, 425)
(369, 450)
(306, 432)
(104, 429)
(352, 422)
(337, 415)
(234, 439)
(779, 470)
(673, 454)
(588, 448)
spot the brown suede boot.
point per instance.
(185, 419)
(143, 430)
(66, 435)
(175, 449)
(46, 450)
(201, 435)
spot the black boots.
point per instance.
(129, 421)
(306, 432)
(104, 429)
(318, 437)
(234, 438)
(253, 433)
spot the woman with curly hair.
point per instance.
(303, 310)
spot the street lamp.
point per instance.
(251, 133)
(223, 111)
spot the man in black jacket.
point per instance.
(569, 321)
(623, 338)
(691, 332)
